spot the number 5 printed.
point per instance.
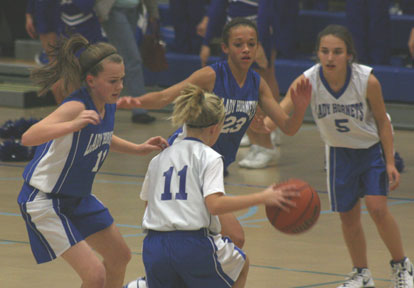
(182, 174)
(340, 125)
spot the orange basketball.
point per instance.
(300, 218)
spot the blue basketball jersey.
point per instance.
(67, 165)
(242, 8)
(79, 16)
(240, 105)
(68, 17)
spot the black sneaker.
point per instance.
(142, 118)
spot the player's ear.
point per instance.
(90, 80)
(224, 48)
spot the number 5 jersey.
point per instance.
(344, 118)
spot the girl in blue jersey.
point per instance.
(349, 110)
(62, 217)
(241, 89)
(184, 192)
(262, 152)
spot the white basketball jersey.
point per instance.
(177, 181)
(344, 118)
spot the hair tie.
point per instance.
(201, 125)
(97, 61)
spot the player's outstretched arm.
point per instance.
(204, 78)
(296, 100)
(218, 203)
(156, 144)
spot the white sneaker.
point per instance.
(260, 157)
(250, 154)
(138, 283)
(402, 274)
(359, 280)
(276, 137)
(245, 141)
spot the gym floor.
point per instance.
(317, 258)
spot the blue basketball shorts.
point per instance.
(57, 222)
(354, 173)
(180, 259)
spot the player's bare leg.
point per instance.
(354, 236)
(86, 264)
(231, 228)
(116, 254)
(386, 225)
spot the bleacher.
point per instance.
(395, 78)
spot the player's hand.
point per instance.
(84, 118)
(30, 27)
(282, 196)
(301, 95)
(258, 125)
(128, 102)
(204, 54)
(393, 177)
(153, 144)
(202, 27)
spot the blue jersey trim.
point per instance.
(338, 94)
(193, 139)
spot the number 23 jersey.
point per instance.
(240, 104)
(344, 118)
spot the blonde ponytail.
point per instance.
(197, 108)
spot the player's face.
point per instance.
(108, 84)
(242, 46)
(333, 54)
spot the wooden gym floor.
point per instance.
(317, 258)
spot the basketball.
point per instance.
(300, 218)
